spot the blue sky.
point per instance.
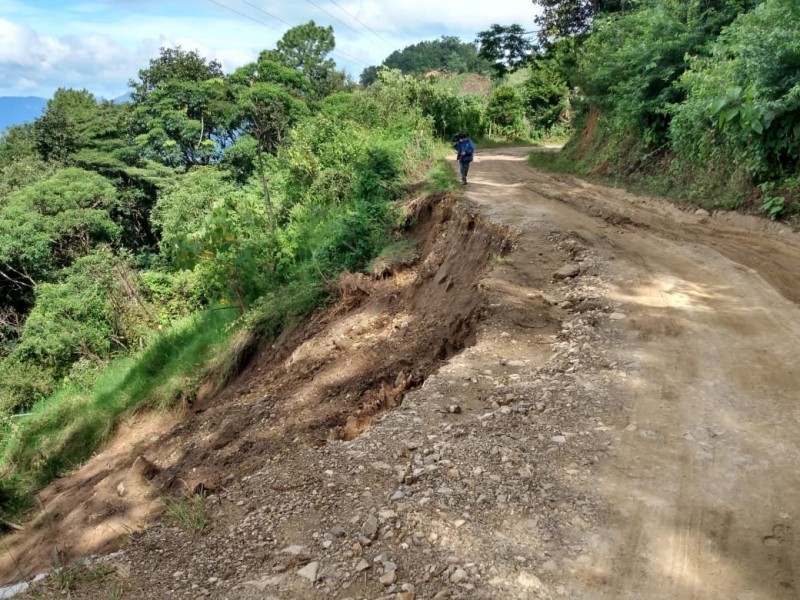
(101, 44)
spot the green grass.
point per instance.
(489, 143)
(464, 83)
(558, 162)
(441, 176)
(189, 512)
(62, 431)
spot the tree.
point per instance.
(180, 109)
(20, 163)
(47, 225)
(448, 53)
(268, 112)
(505, 110)
(564, 18)
(306, 48)
(369, 76)
(506, 48)
(545, 94)
(173, 64)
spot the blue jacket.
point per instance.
(465, 150)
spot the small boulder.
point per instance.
(567, 272)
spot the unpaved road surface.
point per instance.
(703, 488)
(614, 413)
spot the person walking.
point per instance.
(465, 150)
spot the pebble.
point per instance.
(389, 578)
(615, 316)
(567, 271)
(10, 591)
(338, 531)
(559, 439)
(362, 566)
(370, 527)
(458, 576)
(309, 571)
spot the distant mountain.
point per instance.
(15, 110)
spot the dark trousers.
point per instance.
(465, 169)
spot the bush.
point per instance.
(743, 99)
(505, 112)
(545, 95)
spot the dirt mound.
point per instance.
(329, 378)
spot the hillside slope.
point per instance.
(617, 423)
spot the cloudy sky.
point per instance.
(100, 44)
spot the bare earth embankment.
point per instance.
(573, 392)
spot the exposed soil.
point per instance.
(608, 411)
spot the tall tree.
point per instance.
(179, 105)
(173, 64)
(268, 112)
(505, 47)
(307, 48)
(563, 18)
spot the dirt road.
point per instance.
(608, 411)
(704, 489)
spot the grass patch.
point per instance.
(558, 162)
(441, 177)
(189, 512)
(490, 143)
(62, 431)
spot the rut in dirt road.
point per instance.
(703, 488)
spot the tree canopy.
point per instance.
(506, 48)
(449, 54)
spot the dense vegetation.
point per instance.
(491, 87)
(137, 239)
(448, 54)
(698, 99)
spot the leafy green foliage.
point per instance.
(94, 311)
(748, 87)
(505, 111)
(247, 194)
(20, 163)
(45, 226)
(505, 47)
(699, 94)
(448, 54)
(545, 94)
(306, 49)
(173, 64)
(562, 19)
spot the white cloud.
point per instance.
(100, 44)
(462, 16)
